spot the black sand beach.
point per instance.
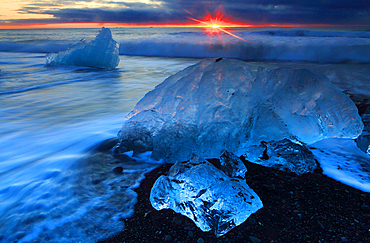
(307, 208)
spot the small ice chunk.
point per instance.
(232, 166)
(283, 155)
(206, 195)
(102, 52)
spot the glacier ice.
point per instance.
(232, 166)
(215, 106)
(102, 52)
(205, 194)
(283, 155)
(363, 141)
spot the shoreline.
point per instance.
(307, 208)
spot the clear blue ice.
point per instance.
(219, 105)
(103, 52)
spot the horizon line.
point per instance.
(93, 25)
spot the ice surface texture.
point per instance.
(283, 155)
(363, 141)
(103, 52)
(205, 194)
(232, 166)
(218, 105)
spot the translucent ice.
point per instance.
(205, 194)
(102, 52)
(284, 155)
(218, 105)
(363, 141)
(232, 166)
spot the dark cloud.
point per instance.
(348, 12)
(288, 11)
(120, 16)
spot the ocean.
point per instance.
(55, 184)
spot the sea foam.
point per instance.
(59, 191)
(274, 44)
(263, 48)
(343, 161)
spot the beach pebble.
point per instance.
(251, 221)
(321, 225)
(167, 238)
(177, 220)
(269, 188)
(365, 208)
(254, 239)
(200, 240)
(190, 233)
(118, 170)
(344, 239)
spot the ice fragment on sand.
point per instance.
(102, 52)
(284, 155)
(363, 141)
(232, 166)
(213, 106)
(205, 194)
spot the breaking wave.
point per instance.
(266, 45)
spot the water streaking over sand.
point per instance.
(52, 183)
(57, 185)
(342, 160)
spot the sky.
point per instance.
(33, 13)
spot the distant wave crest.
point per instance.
(277, 45)
(312, 33)
(263, 48)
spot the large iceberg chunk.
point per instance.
(102, 52)
(205, 194)
(218, 105)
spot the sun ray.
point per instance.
(216, 26)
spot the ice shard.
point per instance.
(283, 155)
(102, 52)
(205, 194)
(363, 141)
(232, 166)
(218, 105)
